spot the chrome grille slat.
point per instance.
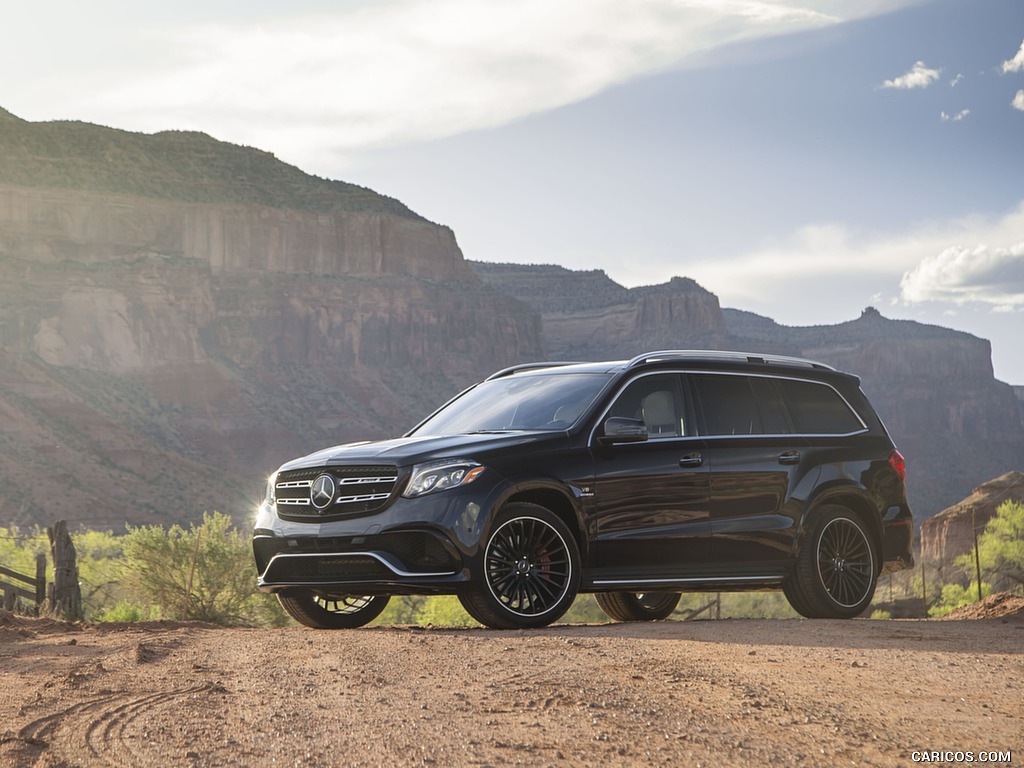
(364, 497)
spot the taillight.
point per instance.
(898, 464)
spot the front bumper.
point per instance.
(412, 546)
(398, 562)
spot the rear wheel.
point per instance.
(529, 572)
(836, 570)
(638, 606)
(331, 611)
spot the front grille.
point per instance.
(358, 491)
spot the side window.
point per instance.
(657, 400)
(774, 418)
(728, 405)
(817, 409)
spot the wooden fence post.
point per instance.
(40, 581)
(67, 594)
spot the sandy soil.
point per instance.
(711, 693)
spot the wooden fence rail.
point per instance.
(12, 591)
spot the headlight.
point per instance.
(440, 476)
(271, 495)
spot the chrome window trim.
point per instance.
(591, 442)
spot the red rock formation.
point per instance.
(220, 340)
(951, 532)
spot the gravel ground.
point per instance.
(710, 693)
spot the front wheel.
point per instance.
(835, 572)
(331, 611)
(638, 606)
(529, 573)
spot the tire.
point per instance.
(331, 611)
(528, 573)
(836, 570)
(638, 606)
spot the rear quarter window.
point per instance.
(817, 409)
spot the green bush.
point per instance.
(126, 611)
(1001, 549)
(204, 573)
(956, 596)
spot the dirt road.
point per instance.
(711, 693)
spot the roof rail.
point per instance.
(714, 354)
(514, 369)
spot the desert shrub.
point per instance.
(1001, 549)
(956, 596)
(204, 573)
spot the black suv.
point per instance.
(674, 471)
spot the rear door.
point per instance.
(756, 463)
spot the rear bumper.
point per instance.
(897, 539)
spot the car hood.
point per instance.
(404, 451)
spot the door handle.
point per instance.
(691, 460)
(789, 457)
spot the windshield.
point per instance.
(518, 402)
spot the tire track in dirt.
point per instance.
(111, 729)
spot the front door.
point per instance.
(651, 499)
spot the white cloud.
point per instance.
(1016, 64)
(961, 274)
(1018, 101)
(396, 71)
(956, 81)
(920, 76)
(836, 254)
(955, 118)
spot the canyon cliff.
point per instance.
(161, 353)
(950, 533)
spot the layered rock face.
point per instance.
(950, 533)
(161, 356)
(125, 284)
(588, 316)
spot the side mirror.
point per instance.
(618, 429)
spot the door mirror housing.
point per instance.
(618, 429)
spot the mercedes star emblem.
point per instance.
(322, 492)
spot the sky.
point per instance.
(802, 159)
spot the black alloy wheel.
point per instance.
(529, 573)
(836, 572)
(331, 611)
(638, 606)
